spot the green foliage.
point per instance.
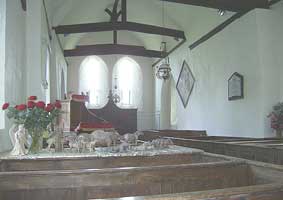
(35, 119)
(276, 117)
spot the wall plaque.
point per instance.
(236, 87)
(185, 83)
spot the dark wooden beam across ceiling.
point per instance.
(24, 5)
(230, 5)
(119, 26)
(109, 49)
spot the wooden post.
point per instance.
(124, 10)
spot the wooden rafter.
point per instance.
(24, 5)
(230, 5)
(119, 26)
(217, 29)
(107, 49)
(115, 25)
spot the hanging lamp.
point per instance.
(164, 70)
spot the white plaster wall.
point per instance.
(212, 64)
(25, 38)
(165, 108)
(2, 60)
(270, 31)
(34, 29)
(251, 46)
(14, 62)
(57, 65)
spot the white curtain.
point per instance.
(94, 80)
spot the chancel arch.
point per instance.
(127, 83)
(94, 81)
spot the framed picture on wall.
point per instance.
(185, 83)
(236, 87)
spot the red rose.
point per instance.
(40, 104)
(5, 106)
(21, 107)
(31, 104)
(58, 105)
(49, 107)
(32, 98)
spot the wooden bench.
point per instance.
(154, 134)
(205, 172)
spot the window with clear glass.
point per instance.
(127, 78)
(94, 81)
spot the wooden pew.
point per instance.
(154, 134)
(251, 152)
(123, 182)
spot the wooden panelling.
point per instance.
(97, 162)
(123, 120)
(129, 181)
(250, 152)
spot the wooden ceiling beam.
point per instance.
(230, 5)
(119, 26)
(24, 4)
(110, 49)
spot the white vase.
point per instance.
(19, 148)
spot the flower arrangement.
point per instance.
(276, 117)
(36, 117)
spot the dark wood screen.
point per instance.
(123, 120)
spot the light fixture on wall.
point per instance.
(163, 71)
(221, 12)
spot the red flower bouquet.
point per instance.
(35, 116)
(276, 118)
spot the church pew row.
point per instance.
(75, 163)
(124, 182)
(228, 180)
(251, 152)
(96, 162)
(218, 172)
(267, 192)
(269, 150)
(154, 134)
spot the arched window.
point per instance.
(127, 76)
(94, 80)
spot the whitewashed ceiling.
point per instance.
(195, 21)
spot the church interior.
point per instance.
(141, 99)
